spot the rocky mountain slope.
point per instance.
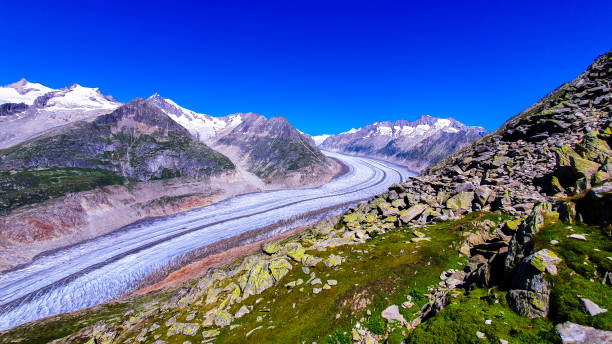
(28, 110)
(418, 144)
(136, 141)
(201, 126)
(268, 149)
(522, 218)
(274, 150)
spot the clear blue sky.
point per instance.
(326, 66)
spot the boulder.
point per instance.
(484, 195)
(461, 201)
(241, 312)
(544, 260)
(279, 268)
(271, 248)
(386, 209)
(574, 333)
(257, 279)
(521, 244)
(222, 318)
(392, 313)
(591, 308)
(333, 260)
(528, 303)
(407, 215)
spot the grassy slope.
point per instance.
(38, 185)
(379, 273)
(460, 320)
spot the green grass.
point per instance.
(38, 185)
(392, 268)
(467, 313)
(581, 271)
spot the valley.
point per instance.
(104, 268)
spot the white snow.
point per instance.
(201, 126)
(385, 131)
(441, 123)
(22, 92)
(352, 131)
(106, 267)
(450, 130)
(407, 130)
(79, 98)
(318, 139)
(421, 129)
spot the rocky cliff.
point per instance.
(417, 144)
(506, 241)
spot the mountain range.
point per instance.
(505, 241)
(416, 144)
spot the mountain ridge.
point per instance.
(417, 144)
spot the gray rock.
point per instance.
(241, 312)
(574, 333)
(528, 303)
(591, 308)
(392, 313)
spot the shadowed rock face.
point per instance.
(417, 144)
(136, 141)
(272, 148)
(8, 109)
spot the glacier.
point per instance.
(105, 268)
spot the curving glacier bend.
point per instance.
(104, 268)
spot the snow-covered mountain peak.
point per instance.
(78, 98)
(22, 91)
(417, 143)
(201, 126)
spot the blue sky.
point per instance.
(326, 66)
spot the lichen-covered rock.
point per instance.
(272, 248)
(257, 279)
(279, 268)
(544, 260)
(407, 215)
(528, 303)
(188, 329)
(386, 209)
(521, 244)
(461, 201)
(222, 318)
(310, 260)
(333, 260)
(210, 333)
